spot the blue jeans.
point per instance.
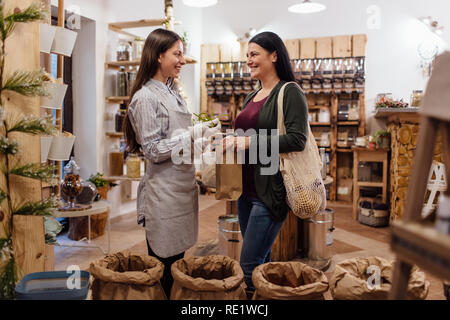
(259, 232)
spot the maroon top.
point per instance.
(248, 119)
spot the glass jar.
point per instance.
(416, 98)
(131, 78)
(119, 117)
(121, 83)
(123, 51)
(133, 166)
(138, 47)
(116, 163)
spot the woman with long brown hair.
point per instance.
(159, 125)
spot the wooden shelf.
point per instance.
(121, 178)
(370, 184)
(331, 91)
(348, 123)
(114, 134)
(115, 65)
(420, 244)
(320, 124)
(318, 107)
(344, 150)
(381, 113)
(137, 24)
(118, 100)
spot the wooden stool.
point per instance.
(413, 241)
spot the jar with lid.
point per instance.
(138, 47)
(133, 166)
(124, 51)
(121, 83)
(416, 98)
(116, 162)
(71, 186)
(120, 116)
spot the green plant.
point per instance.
(381, 133)
(185, 37)
(27, 83)
(98, 180)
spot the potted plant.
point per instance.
(101, 184)
(382, 139)
(186, 43)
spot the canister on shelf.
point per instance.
(131, 78)
(138, 47)
(123, 52)
(133, 166)
(324, 115)
(116, 163)
(416, 98)
(121, 83)
(120, 115)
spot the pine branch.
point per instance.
(37, 208)
(8, 280)
(35, 171)
(8, 147)
(30, 124)
(27, 83)
(35, 12)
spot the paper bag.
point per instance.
(229, 181)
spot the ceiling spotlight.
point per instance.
(200, 3)
(307, 7)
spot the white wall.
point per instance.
(392, 58)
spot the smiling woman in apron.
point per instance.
(167, 203)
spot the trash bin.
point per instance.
(127, 276)
(230, 237)
(371, 279)
(320, 235)
(207, 278)
(288, 281)
(53, 285)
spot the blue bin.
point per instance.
(52, 286)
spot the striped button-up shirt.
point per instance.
(150, 119)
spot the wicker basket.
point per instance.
(371, 217)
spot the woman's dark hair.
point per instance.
(273, 43)
(158, 42)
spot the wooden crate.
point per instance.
(324, 47)
(342, 46)
(293, 48)
(307, 48)
(359, 44)
(285, 247)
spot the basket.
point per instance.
(372, 212)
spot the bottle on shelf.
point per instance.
(121, 82)
(119, 117)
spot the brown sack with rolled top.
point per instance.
(213, 277)
(356, 279)
(288, 281)
(127, 276)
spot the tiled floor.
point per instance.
(351, 239)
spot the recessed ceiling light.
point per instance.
(307, 7)
(200, 3)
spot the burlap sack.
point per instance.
(288, 281)
(207, 278)
(127, 276)
(350, 280)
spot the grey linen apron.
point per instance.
(168, 199)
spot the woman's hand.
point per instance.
(235, 143)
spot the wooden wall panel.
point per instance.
(293, 48)
(307, 48)
(226, 53)
(324, 47)
(342, 46)
(359, 44)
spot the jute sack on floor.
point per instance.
(356, 279)
(288, 281)
(127, 276)
(207, 278)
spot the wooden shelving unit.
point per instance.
(320, 48)
(116, 65)
(117, 100)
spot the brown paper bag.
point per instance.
(229, 181)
